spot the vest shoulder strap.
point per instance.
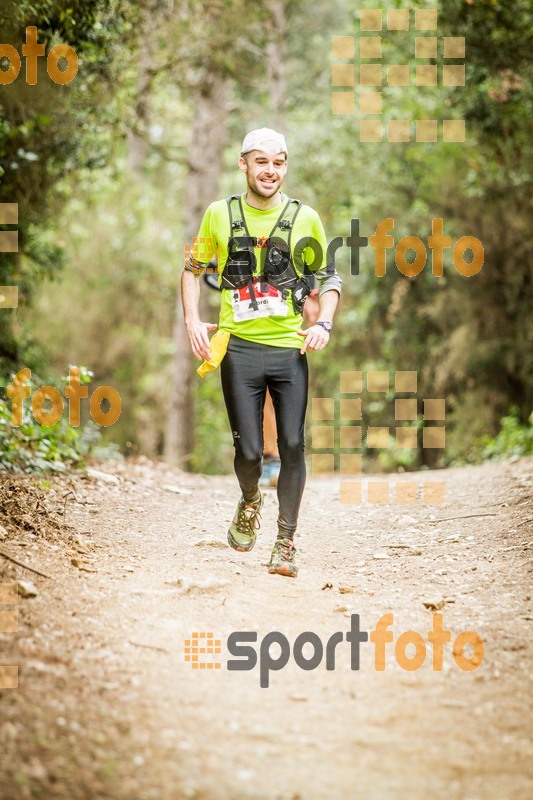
(237, 221)
(286, 220)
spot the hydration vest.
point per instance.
(277, 267)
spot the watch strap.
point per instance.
(326, 325)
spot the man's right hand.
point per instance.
(199, 339)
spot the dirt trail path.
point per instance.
(107, 707)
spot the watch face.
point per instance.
(326, 325)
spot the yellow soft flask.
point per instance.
(217, 346)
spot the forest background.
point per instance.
(113, 171)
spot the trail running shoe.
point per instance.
(242, 532)
(270, 474)
(283, 558)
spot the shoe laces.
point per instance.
(251, 515)
(285, 547)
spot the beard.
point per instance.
(263, 190)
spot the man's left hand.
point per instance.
(316, 338)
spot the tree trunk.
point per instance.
(138, 134)
(275, 62)
(205, 165)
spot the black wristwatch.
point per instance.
(326, 325)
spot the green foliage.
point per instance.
(48, 131)
(213, 454)
(514, 438)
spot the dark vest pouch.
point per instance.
(278, 269)
(241, 262)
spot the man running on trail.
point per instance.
(266, 244)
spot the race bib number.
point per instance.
(269, 302)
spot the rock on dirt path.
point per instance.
(107, 706)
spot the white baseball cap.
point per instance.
(265, 139)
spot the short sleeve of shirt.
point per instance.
(203, 247)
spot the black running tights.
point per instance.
(247, 369)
